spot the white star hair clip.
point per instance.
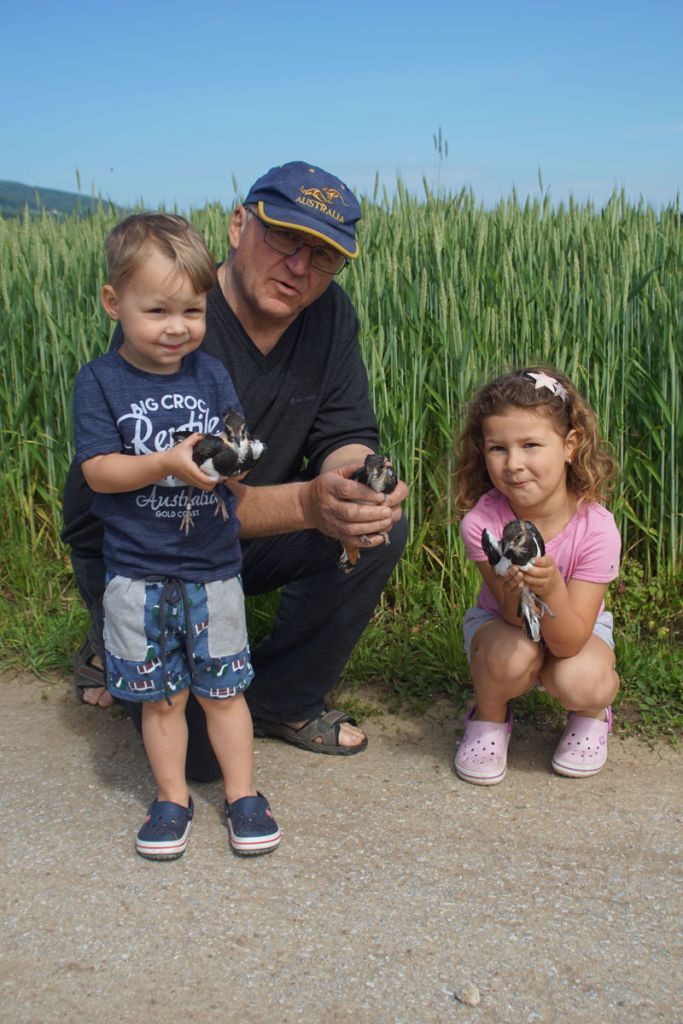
(542, 380)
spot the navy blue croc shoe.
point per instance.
(166, 830)
(251, 825)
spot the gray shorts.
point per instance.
(475, 618)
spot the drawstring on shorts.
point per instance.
(172, 591)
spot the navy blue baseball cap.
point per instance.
(306, 198)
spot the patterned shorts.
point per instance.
(161, 636)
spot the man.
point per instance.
(288, 336)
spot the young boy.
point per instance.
(173, 607)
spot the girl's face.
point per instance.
(526, 459)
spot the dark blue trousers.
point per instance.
(321, 616)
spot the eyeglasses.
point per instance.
(289, 243)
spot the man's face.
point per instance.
(275, 288)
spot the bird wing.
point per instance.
(537, 538)
(491, 547)
(226, 462)
(361, 475)
(208, 448)
(181, 435)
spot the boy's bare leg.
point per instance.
(232, 739)
(164, 733)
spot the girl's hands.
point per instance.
(513, 581)
(542, 577)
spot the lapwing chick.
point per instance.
(220, 456)
(378, 474)
(520, 544)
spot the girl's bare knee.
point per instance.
(506, 665)
(582, 685)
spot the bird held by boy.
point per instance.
(520, 544)
(378, 474)
(220, 456)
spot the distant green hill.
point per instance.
(14, 197)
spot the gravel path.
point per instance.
(395, 886)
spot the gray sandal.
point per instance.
(86, 675)
(326, 726)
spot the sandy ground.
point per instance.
(396, 885)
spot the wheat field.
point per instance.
(448, 294)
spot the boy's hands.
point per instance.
(115, 473)
(177, 461)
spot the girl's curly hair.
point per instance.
(592, 471)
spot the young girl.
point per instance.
(530, 450)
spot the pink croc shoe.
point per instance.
(582, 750)
(482, 755)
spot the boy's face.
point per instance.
(162, 317)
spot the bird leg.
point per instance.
(366, 540)
(531, 610)
(222, 508)
(348, 558)
(350, 555)
(542, 608)
(186, 522)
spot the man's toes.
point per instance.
(350, 736)
(92, 694)
(97, 696)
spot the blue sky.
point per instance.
(166, 102)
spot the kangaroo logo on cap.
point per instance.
(320, 198)
(323, 195)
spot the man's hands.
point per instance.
(347, 510)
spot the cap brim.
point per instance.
(299, 220)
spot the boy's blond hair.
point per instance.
(129, 244)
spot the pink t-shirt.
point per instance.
(586, 549)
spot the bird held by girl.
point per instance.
(520, 544)
(530, 451)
